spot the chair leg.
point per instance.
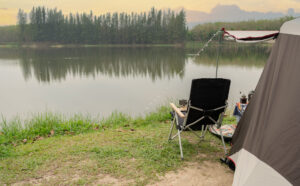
(203, 131)
(171, 129)
(223, 141)
(180, 145)
(194, 133)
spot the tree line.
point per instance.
(51, 25)
(156, 26)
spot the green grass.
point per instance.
(82, 150)
(9, 45)
(60, 45)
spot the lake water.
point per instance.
(98, 81)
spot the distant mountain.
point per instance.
(231, 13)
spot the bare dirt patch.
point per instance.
(198, 174)
(109, 180)
(35, 181)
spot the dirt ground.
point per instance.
(198, 174)
(193, 174)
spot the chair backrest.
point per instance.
(207, 94)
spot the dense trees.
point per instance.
(9, 33)
(51, 25)
(155, 26)
(22, 20)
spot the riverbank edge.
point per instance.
(115, 146)
(61, 45)
(43, 125)
(187, 45)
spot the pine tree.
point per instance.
(22, 20)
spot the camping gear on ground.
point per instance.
(226, 130)
(229, 129)
(266, 143)
(240, 108)
(250, 95)
(206, 106)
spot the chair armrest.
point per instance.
(177, 110)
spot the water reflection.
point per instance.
(247, 55)
(55, 64)
(48, 65)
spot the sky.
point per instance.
(9, 8)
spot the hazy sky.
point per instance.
(9, 8)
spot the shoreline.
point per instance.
(59, 45)
(117, 146)
(44, 125)
(186, 45)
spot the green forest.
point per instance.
(51, 25)
(43, 25)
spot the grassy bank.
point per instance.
(51, 149)
(60, 45)
(190, 45)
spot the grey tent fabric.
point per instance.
(269, 130)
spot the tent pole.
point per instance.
(218, 54)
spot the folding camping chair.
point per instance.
(206, 107)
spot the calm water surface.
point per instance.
(98, 81)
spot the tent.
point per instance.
(266, 143)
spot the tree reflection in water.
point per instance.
(55, 64)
